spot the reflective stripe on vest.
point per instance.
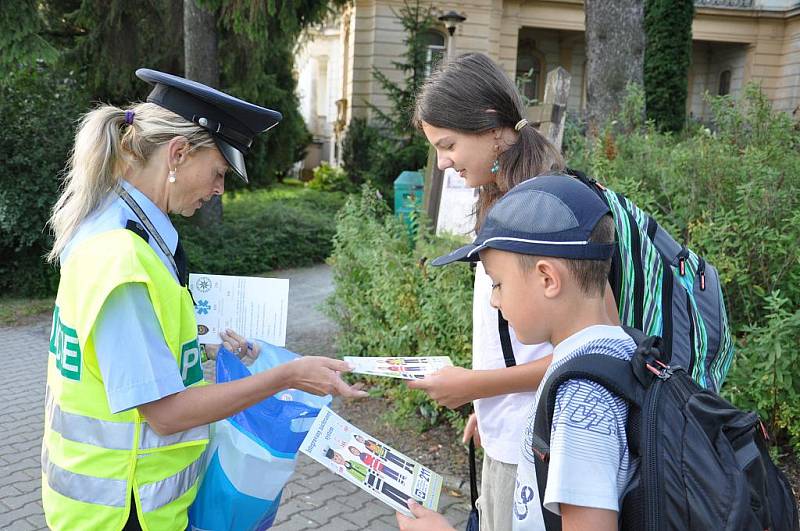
(89, 489)
(160, 493)
(113, 492)
(113, 435)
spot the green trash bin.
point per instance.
(408, 191)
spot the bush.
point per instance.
(39, 106)
(765, 376)
(329, 178)
(372, 155)
(733, 195)
(388, 302)
(274, 228)
(359, 150)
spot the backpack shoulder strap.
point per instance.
(614, 374)
(505, 340)
(588, 181)
(615, 274)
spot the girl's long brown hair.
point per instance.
(472, 95)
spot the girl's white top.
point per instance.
(501, 419)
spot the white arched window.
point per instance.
(435, 49)
(530, 70)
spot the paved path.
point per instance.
(313, 499)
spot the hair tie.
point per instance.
(129, 117)
(522, 123)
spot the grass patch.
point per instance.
(284, 226)
(17, 311)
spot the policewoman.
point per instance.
(126, 419)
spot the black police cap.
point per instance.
(231, 122)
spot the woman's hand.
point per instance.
(424, 519)
(471, 431)
(240, 346)
(244, 349)
(320, 376)
(451, 387)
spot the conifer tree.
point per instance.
(667, 57)
(403, 148)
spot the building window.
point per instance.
(530, 70)
(435, 49)
(724, 83)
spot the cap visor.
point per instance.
(468, 253)
(233, 156)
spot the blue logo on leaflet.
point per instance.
(202, 307)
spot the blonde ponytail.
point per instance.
(105, 147)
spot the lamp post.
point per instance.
(451, 21)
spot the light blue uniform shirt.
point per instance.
(135, 361)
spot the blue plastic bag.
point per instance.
(252, 454)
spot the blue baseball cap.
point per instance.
(231, 122)
(551, 215)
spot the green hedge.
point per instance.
(732, 194)
(389, 302)
(39, 106)
(274, 228)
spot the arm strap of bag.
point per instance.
(473, 478)
(615, 274)
(614, 374)
(505, 340)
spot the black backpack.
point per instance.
(704, 464)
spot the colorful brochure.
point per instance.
(254, 307)
(397, 367)
(375, 467)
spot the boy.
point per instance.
(547, 246)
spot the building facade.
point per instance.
(735, 41)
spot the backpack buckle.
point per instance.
(663, 373)
(647, 361)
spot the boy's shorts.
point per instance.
(497, 494)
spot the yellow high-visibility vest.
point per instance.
(94, 460)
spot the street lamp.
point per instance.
(451, 20)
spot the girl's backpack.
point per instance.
(666, 290)
(703, 464)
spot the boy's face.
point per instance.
(521, 295)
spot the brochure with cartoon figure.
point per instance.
(253, 306)
(398, 367)
(375, 467)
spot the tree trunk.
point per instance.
(202, 65)
(615, 55)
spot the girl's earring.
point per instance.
(496, 166)
(171, 176)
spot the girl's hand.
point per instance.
(450, 387)
(424, 519)
(471, 431)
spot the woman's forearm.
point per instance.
(200, 405)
